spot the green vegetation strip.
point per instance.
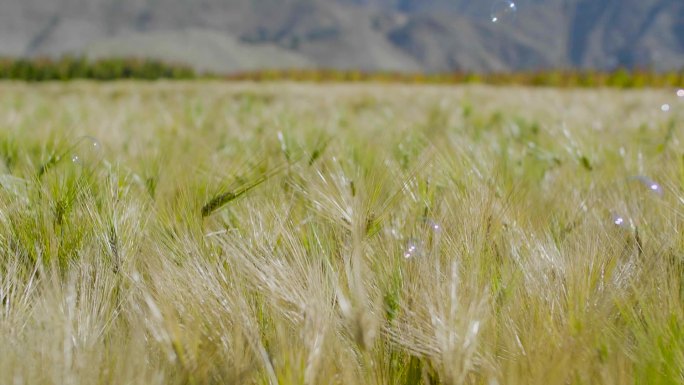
(70, 68)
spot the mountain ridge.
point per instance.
(388, 35)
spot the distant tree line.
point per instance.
(69, 68)
(620, 78)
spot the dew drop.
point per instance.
(502, 10)
(680, 93)
(665, 107)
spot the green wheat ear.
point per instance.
(45, 167)
(223, 198)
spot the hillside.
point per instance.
(398, 35)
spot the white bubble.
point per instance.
(86, 151)
(434, 226)
(621, 221)
(665, 107)
(680, 93)
(410, 251)
(650, 184)
(414, 248)
(502, 10)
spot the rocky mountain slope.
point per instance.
(398, 35)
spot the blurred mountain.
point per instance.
(398, 35)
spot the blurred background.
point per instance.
(228, 36)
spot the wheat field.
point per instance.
(236, 233)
